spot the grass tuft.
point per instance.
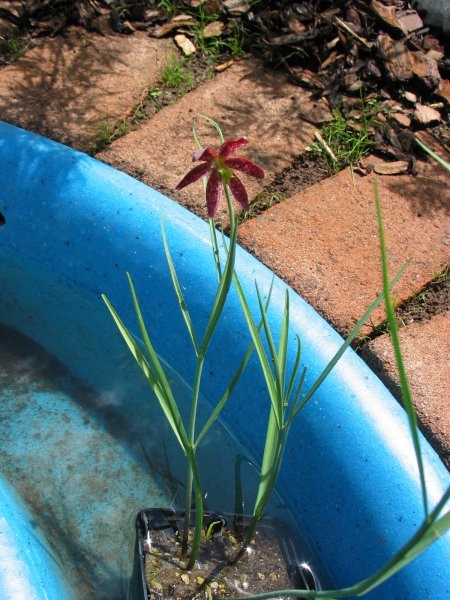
(345, 139)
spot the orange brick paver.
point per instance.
(324, 241)
(67, 87)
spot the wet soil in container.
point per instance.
(272, 562)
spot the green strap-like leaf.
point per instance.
(283, 344)
(259, 346)
(276, 375)
(181, 302)
(221, 294)
(154, 375)
(393, 330)
(436, 157)
(295, 369)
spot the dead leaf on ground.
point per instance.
(426, 69)
(398, 59)
(175, 23)
(237, 7)
(185, 44)
(444, 90)
(213, 29)
(426, 115)
(225, 65)
(402, 119)
(404, 20)
(391, 168)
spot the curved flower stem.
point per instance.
(225, 277)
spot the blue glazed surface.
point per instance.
(349, 471)
(28, 569)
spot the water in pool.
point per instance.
(87, 448)
(83, 469)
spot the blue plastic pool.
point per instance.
(71, 228)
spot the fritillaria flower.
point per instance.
(220, 167)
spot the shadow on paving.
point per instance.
(276, 130)
(58, 91)
(428, 194)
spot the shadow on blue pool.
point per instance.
(84, 447)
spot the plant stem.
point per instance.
(273, 454)
(191, 461)
(192, 478)
(187, 509)
(198, 511)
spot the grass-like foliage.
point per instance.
(286, 393)
(345, 138)
(176, 74)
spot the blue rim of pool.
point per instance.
(349, 473)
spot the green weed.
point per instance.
(170, 8)
(345, 139)
(444, 275)
(177, 75)
(13, 46)
(110, 131)
(262, 202)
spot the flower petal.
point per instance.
(239, 192)
(206, 154)
(193, 175)
(230, 146)
(213, 192)
(245, 166)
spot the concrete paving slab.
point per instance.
(426, 351)
(65, 88)
(276, 116)
(324, 242)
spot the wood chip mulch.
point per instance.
(342, 51)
